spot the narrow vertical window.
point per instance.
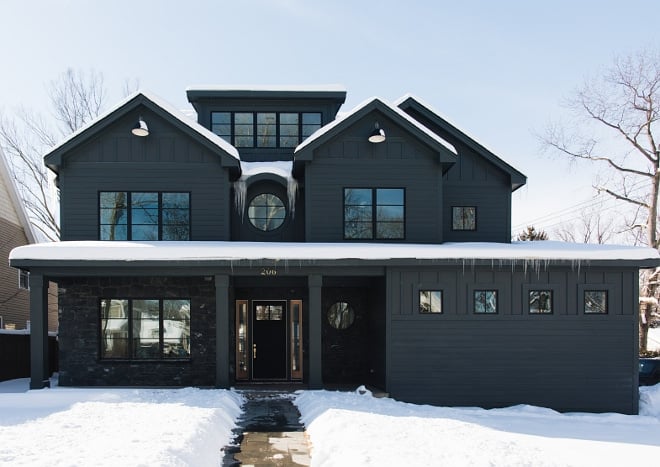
(221, 125)
(289, 131)
(358, 210)
(310, 123)
(244, 130)
(389, 213)
(175, 216)
(464, 218)
(485, 301)
(430, 301)
(114, 329)
(113, 215)
(144, 216)
(266, 130)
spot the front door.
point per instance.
(269, 340)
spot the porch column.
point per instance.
(314, 282)
(39, 370)
(222, 331)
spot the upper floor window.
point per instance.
(266, 212)
(126, 215)
(464, 218)
(265, 129)
(374, 213)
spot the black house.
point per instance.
(272, 242)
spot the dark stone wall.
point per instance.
(79, 315)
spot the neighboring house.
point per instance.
(271, 242)
(15, 230)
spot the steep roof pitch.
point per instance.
(157, 105)
(7, 181)
(305, 150)
(411, 102)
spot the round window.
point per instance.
(266, 212)
(341, 315)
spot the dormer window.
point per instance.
(265, 129)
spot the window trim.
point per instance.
(584, 288)
(129, 213)
(278, 133)
(455, 229)
(478, 289)
(130, 339)
(23, 279)
(419, 301)
(374, 213)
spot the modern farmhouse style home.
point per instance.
(272, 241)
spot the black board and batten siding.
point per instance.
(166, 160)
(565, 360)
(349, 161)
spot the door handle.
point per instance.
(254, 351)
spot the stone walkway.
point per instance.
(269, 433)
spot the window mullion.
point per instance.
(130, 328)
(374, 213)
(161, 329)
(129, 216)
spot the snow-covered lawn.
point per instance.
(114, 427)
(188, 427)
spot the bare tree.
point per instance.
(621, 108)
(77, 98)
(590, 227)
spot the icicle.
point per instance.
(240, 190)
(292, 191)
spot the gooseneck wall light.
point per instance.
(378, 135)
(140, 128)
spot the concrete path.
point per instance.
(269, 433)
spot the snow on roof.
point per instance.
(215, 139)
(325, 129)
(267, 87)
(538, 251)
(280, 168)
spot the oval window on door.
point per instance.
(341, 315)
(266, 212)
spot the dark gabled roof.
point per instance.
(333, 93)
(447, 152)
(408, 101)
(213, 142)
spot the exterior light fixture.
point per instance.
(378, 135)
(140, 128)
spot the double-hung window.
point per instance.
(374, 213)
(126, 215)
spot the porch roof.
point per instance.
(136, 254)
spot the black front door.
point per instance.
(269, 340)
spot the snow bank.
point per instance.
(649, 400)
(355, 429)
(109, 427)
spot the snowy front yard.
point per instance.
(188, 427)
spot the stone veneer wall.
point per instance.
(79, 317)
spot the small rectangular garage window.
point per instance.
(430, 301)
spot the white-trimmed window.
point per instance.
(23, 279)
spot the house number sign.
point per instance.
(268, 272)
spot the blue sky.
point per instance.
(497, 70)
